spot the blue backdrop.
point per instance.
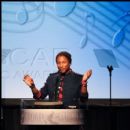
(34, 32)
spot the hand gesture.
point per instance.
(28, 80)
(87, 75)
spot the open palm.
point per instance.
(28, 80)
(87, 75)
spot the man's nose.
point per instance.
(61, 65)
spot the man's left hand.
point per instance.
(87, 75)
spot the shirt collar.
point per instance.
(66, 73)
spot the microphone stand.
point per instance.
(112, 114)
(110, 68)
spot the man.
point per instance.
(65, 85)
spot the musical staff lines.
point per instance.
(100, 23)
(21, 17)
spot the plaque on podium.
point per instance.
(43, 112)
(51, 117)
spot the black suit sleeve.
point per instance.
(44, 90)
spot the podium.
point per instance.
(50, 113)
(51, 117)
(97, 115)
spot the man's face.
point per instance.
(63, 64)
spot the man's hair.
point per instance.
(66, 54)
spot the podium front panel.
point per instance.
(51, 117)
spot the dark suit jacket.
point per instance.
(71, 88)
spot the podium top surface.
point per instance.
(91, 103)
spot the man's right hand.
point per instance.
(28, 80)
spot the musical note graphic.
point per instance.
(21, 17)
(119, 35)
(89, 20)
(122, 17)
(64, 8)
(83, 41)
